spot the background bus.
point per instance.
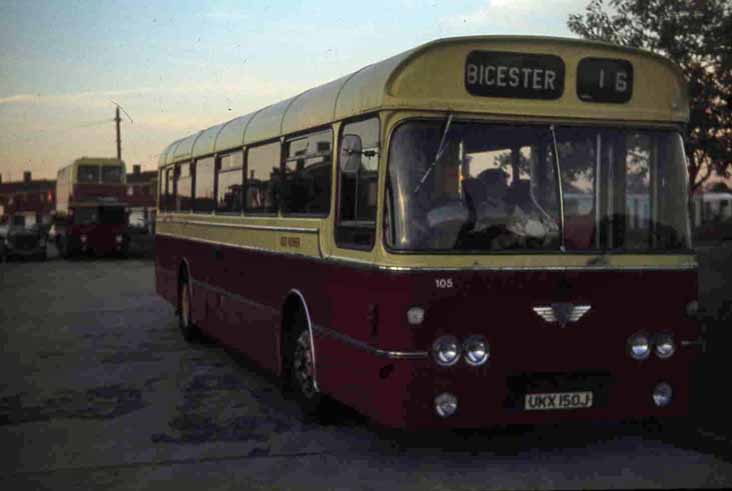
(479, 231)
(91, 214)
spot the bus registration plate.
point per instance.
(558, 400)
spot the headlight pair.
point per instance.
(641, 344)
(446, 350)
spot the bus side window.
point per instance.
(170, 189)
(357, 184)
(204, 185)
(306, 186)
(229, 182)
(263, 167)
(184, 187)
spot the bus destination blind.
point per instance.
(604, 80)
(514, 75)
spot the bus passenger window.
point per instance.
(204, 192)
(169, 200)
(88, 173)
(229, 186)
(112, 174)
(263, 164)
(306, 187)
(357, 174)
(183, 187)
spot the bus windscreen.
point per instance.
(494, 188)
(112, 174)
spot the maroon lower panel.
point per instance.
(100, 238)
(238, 296)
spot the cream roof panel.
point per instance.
(267, 123)
(364, 91)
(205, 142)
(167, 156)
(184, 148)
(314, 107)
(232, 133)
(432, 77)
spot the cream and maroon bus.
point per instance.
(444, 238)
(91, 213)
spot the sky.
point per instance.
(177, 67)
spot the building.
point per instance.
(142, 197)
(35, 199)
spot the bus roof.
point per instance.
(105, 161)
(432, 77)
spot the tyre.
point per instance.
(124, 253)
(185, 321)
(301, 372)
(64, 248)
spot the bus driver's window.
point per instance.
(357, 174)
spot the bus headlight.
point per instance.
(476, 350)
(446, 405)
(446, 350)
(662, 394)
(83, 239)
(118, 239)
(665, 346)
(639, 346)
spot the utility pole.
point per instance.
(119, 137)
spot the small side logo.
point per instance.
(561, 313)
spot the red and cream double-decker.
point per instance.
(479, 231)
(91, 214)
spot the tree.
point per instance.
(696, 35)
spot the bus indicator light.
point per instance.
(415, 316)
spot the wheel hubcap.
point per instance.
(303, 365)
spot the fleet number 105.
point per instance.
(443, 282)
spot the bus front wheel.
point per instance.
(185, 321)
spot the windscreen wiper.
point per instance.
(557, 170)
(438, 155)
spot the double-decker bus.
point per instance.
(444, 238)
(91, 214)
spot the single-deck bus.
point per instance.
(91, 215)
(450, 237)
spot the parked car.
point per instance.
(19, 240)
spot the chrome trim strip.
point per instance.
(312, 339)
(392, 355)
(234, 296)
(271, 228)
(701, 342)
(531, 268)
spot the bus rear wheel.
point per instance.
(185, 321)
(64, 248)
(302, 373)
